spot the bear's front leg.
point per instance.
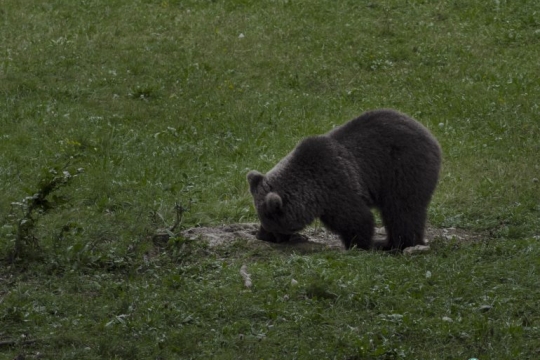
(352, 221)
(268, 236)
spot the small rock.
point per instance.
(485, 308)
(418, 249)
(447, 319)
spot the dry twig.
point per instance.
(246, 276)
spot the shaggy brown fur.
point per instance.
(383, 159)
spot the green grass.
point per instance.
(461, 301)
(174, 101)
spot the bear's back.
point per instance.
(381, 133)
(384, 127)
(389, 146)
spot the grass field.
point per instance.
(115, 111)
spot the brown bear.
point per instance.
(382, 159)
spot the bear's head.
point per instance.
(276, 211)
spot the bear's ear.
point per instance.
(273, 202)
(254, 178)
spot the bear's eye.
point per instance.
(275, 214)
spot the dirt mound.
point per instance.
(310, 237)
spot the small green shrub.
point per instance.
(25, 214)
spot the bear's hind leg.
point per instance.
(354, 226)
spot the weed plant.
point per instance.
(165, 102)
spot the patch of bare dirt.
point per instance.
(309, 239)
